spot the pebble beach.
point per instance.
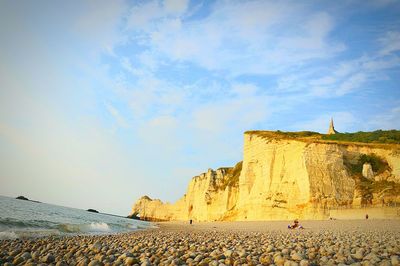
(357, 242)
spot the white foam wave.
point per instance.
(27, 233)
(99, 227)
(8, 235)
(85, 228)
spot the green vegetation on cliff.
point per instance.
(378, 136)
(284, 134)
(382, 189)
(232, 177)
(355, 167)
(368, 188)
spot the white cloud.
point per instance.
(245, 32)
(99, 23)
(349, 76)
(239, 112)
(176, 6)
(390, 43)
(146, 16)
(169, 78)
(351, 83)
(141, 15)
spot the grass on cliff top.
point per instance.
(378, 136)
(374, 137)
(284, 134)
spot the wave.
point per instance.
(61, 229)
(8, 235)
(27, 233)
(85, 228)
(14, 223)
(12, 228)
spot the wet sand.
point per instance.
(336, 242)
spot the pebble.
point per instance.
(395, 260)
(49, 258)
(228, 253)
(95, 263)
(297, 256)
(201, 246)
(26, 256)
(96, 247)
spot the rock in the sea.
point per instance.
(22, 198)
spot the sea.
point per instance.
(25, 219)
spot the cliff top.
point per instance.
(378, 138)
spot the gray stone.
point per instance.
(296, 256)
(228, 253)
(95, 263)
(49, 258)
(395, 260)
(96, 247)
(26, 255)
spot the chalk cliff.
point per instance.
(283, 177)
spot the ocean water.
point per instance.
(21, 218)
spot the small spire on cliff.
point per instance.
(331, 129)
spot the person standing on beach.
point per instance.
(366, 216)
(295, 225)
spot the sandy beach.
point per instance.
(357, 242)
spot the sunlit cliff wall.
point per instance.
(284, 178)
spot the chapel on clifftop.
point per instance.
(331, 129)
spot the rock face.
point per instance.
(367, 171)
(285, 178)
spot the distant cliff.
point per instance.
(284, 176)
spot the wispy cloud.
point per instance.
(254, 38)
(390, 43)
(108, 90)
(116, 115)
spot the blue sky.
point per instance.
(104, 101)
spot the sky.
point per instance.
(102, 102)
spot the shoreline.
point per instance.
(370, 242)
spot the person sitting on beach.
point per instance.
(295, 225)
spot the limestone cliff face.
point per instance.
(281, 179)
